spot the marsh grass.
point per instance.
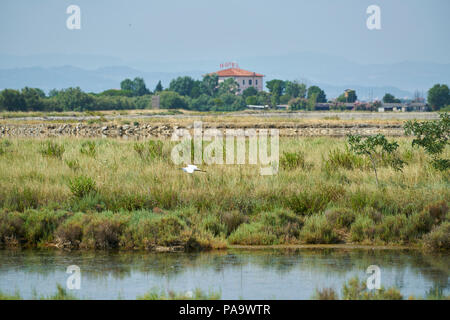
(229, 204)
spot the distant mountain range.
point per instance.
(334, 74)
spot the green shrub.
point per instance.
(317, 230)
(82, 186)
(416, 225)
(211, 223)
(12, 228)
(362, 229)
(283, 223)
(41, 225)
(252, 234)
(52, 149)
(156, 230)
(103, 231)
(232, 220)
(438, 210)
(392, 228)
(340, 217)
(438, 238)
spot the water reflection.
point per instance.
(286, 274)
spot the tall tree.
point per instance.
(137, 86)
(182, 85)
(228, 86)
(439, 96)
(320, 94)
(295, 89)
(276, 87)
(210, 84)
(389, 98)
(159, 87)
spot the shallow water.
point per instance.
(261, 274)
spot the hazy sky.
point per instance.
(182, 30)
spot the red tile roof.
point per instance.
(236, 72)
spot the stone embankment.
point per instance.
(143, 131)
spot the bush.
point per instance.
(317, 230)
(82, 186)
(392, 228)
(11, 227)
(282, 223)
(252, 234)
(172, 100)
(362, 229)
(103, 231)
(340, 217)
(52, 149)
(232, 220)
(437, 210)
(438, 238)
(154, 230)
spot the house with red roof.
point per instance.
(243, 77)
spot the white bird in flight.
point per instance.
(191, 169)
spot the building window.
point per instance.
(250, 82)
(256, 81)
(243, 82)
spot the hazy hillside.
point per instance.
(333, 73)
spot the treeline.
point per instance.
(199, 95)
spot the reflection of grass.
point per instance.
(149, 204)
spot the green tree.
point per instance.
(33, 98)
(348, 96)
(228, 86)
(376, 147)
(295, 89)
(159, 87)
(137, 86)
(74, 99)
(439, 96)
(210, 84)
(251, 100)
(250, 91)
(389, 98)
(276, 87)
(433, 137)
(12, 100)
(320, 94)
(298, 104)
(172, 100)
(182, 85)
